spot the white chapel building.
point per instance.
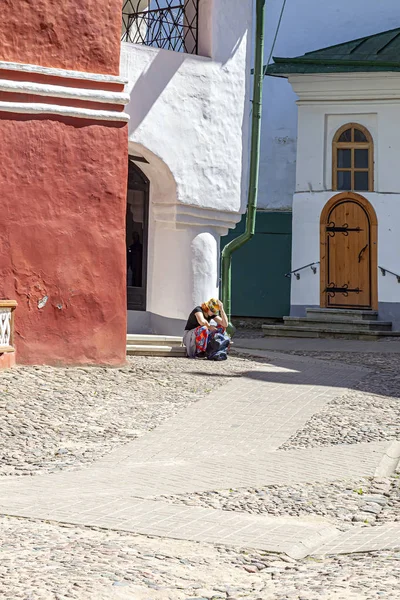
(346, 205)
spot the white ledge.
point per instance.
(66, 111)
(65, 73)
(57, 91)
(181, 216)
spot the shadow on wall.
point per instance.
(223, 25)
(151, 83)
(220, 38)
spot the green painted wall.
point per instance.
(259, 285)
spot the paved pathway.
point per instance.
(154, 478)
(295, 537)
(228, 439)
(256, 412)
(365, 539)
(388, 345)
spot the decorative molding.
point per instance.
(63, 73)
(182, 216)
(59, 91)
(48, 93)
(67, 111)
(346, 88)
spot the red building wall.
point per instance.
(62, 231)
(63, 184)
(82, 35)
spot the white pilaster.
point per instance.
(183, 269)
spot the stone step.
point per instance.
(153, 340)
(325, 332)
(333, 314)
(356, 325)
(152, 350)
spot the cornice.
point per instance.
(63, 73)
(346, 87)
(182, 216)
(34, 108)
(32, 89)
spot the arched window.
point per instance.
(353, 159)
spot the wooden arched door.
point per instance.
(349, 253)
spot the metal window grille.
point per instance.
(167, 24)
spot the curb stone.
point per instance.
(312, 542)
(389, 461)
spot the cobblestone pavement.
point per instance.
(341, 421)
(231, 438)
(257, 411)
(44, 561)
(60, 419)
(371, 501)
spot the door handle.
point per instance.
(362, 252)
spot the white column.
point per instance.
(204, 266)
(183, 269)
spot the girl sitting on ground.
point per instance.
(203, 323)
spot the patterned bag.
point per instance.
(218, 346)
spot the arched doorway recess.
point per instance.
(137, 218)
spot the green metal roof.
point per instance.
(379, 52)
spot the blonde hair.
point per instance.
(211, 305)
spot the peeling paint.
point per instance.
(42, 302)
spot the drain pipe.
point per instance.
(254, 164)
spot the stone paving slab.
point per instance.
(272, 468)
(365, 539)
(292, 536)
(147, 479)
(259, 410)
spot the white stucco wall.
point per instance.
(192, 111)
(189, 118)
(306, 25)
(329, 101)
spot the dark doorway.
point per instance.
(137, 216)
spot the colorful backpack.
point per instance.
(218, 346)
